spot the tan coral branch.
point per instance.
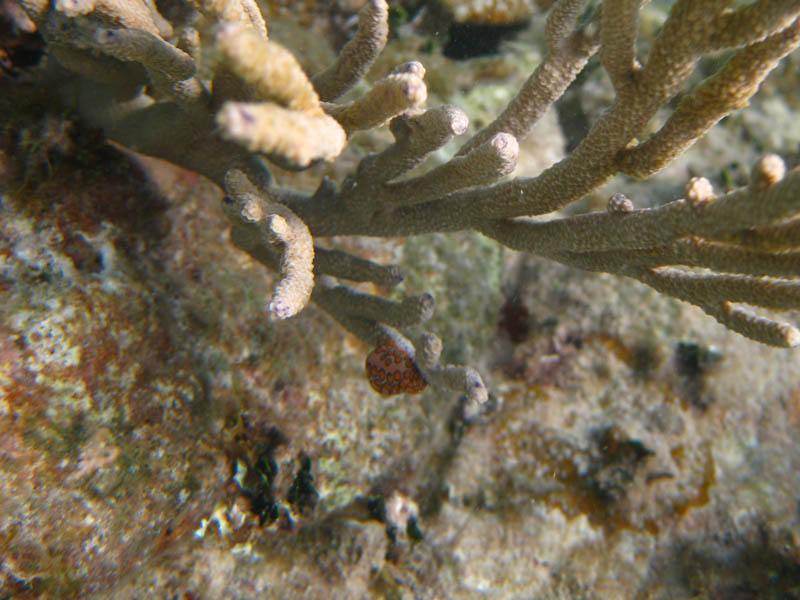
(400, 91)
(261, 223)
(487, 163)
(267, 70)
(357, 56)
(754, 327)
(726, 91)
(298, 137)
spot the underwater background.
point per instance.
(161, 437)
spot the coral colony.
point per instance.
(219, 96)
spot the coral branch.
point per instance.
(750, 23)
(708, 289)
(486, 163)
(235, 12)
(708, 103)
(297, 137)
(357, 56)
(346, 266)
(399, 92)
(693, 252)
(267, 70)
(462, 379)
(567, 55)
(413, 310)
(754, 327)
(259, 223)
(416, 136)
(170, 69)
(618, 33)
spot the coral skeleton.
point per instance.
(220, 97)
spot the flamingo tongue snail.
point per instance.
(391, 370)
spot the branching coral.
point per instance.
(220, 97)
